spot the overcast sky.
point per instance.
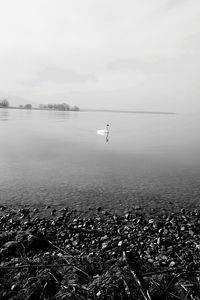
(114, 54)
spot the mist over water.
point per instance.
(57, 157)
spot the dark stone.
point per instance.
(36, 243)
(10, 248)
(2, 208)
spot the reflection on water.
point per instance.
(57, 115)
(57, 156)
(4, 114)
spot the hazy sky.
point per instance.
(130, 54)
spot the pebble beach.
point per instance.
(59, 253)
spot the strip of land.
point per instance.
(101, 110)
(129, 111)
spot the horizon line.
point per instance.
(128, 111)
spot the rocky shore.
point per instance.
(52, 253)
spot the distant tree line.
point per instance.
(60, 106)
(57, 106)
(26, 106)
(4, 103)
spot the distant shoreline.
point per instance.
(35, 108)
(22, 108)
(129, 111)
(100, 110)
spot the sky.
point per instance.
(101, 54)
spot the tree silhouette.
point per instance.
(28, 106)
(4, 103)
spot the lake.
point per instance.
(57, 158)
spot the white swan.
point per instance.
(104, 131)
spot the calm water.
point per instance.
(58, 158)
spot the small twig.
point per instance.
(188, 292)
(27, 282)
(144, 293)
(183, 287)
(175, 270)
(43, 290)
(24, 250)
(126, 287)
(45, 266)
(170, 283)
(35, 266)
(61, 250)
(194, 298)
(189, 284)
(162, 272)
(29, 296)
(54, 277)
(155, 282)
(175, 296)
(88, 276)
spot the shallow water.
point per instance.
(56, 157)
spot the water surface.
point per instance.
(56, 157)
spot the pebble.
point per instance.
(104, 238)
(13, 287)
(172, 264)
(150, 260)
(104, 245)
(2, 208)
(120, 243)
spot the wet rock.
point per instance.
(10, 248)
(104, 245)
(53, 212)
(120, 243)
(150, 260)
(36, 243)
(104, 238)
(2, 208)
(191, 232)
(24, 211)
(64, 210)
(105, 212)
(137, 207)
(172, 264)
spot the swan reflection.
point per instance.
(107, 139)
